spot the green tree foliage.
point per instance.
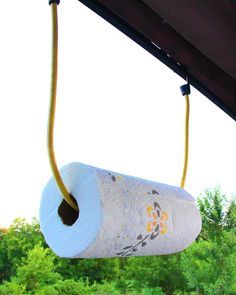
(154, 271)
(95, 270)
(37, 270)
(208, 266)
(80, 287)
(230, 218)
(14, 244)
(28, 266)
(217, 212)
(11, 288)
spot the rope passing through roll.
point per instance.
(52, 109)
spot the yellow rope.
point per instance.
(52, 109)
(186, 141)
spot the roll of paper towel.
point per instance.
(119, 215)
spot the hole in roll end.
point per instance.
(67, 214)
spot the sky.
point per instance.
(118, 108)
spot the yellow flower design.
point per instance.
(157, 222)
(155, 226)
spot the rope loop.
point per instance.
(185, 89)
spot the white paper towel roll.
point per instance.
(119, 216)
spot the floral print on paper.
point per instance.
(155, 226)
(157, 223)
